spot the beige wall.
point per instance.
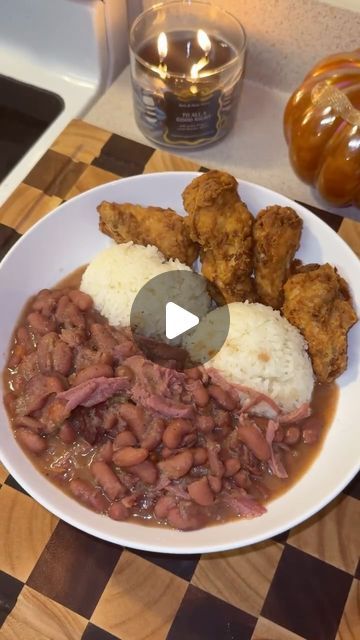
(286, 37)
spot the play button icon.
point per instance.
(165, 313)
(178, 320)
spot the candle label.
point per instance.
(191, 120)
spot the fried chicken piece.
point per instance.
(162, 228)
(222, 224)
(277, 232)
(318, 303)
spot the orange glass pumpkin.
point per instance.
(322, 128)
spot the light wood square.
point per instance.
(81, 141)
(92, 177)
(240, 577)
(25, 528)
(26, 206)
(140, 600)
(36, 617)
(164, 161)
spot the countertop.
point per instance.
(57, 583)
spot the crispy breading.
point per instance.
(222, 224)
(318, 303)
(277, 232)
(163, 228)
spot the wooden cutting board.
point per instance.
(57, 583)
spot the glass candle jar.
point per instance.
(187, 60)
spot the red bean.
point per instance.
(37, 390)
(62, 358)
(146, 471)
(82, 300)
(175, 432)
(153, 434)
(279, 433)
(88, 495)
(54, 355)
(10, 401)
(134, 417)
(177, 466)
(194, 373)
(130, 456)
(29, 423)
(105, 452)
(215, 464)
(222, 397)
(242, 479)
(200, 395)
(93, 371)
(24, 339)
(200, 492)
(73, 337)
(102, 337)
(67, 433)
(215, 483)
(118, 511)
(250, 434)
(107, 479)
(232, 466)
(185, 520)
(68, 314)
(53, 414)
(163, 506)
(124, 439)
(61, 308)
(40, 323)
(292, 435)
(200, 455)
(206, 424)
(31, 441)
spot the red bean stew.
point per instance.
(132, 438)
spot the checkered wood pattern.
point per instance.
(57, 583)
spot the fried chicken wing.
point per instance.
(277, 232)
(318, 303)
(162, 228)
(222, 224)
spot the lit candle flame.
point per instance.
(205, 44)
(204, 41)
(162, 47)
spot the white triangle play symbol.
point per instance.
(178, 320)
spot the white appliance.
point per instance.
(72, 48)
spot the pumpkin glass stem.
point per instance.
(325, 95)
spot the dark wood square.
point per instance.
(123, 157)
(55, 174)
(9, 591)
(202, 616)
(8, 237)
(307, 596)
(74, 569)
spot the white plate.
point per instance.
(68, 238)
